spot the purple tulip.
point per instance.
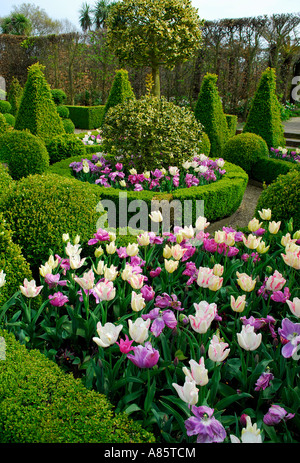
(58, 299)
(155, 273)
(279, 296)
(148, 293)
(144, 356)
(290, 337)
(203, 424)
(100, 235)
(263, 381)
(122, 252)
(54, 280)
(276, 414)
(165, 301)
(260, 323)
(160, 320)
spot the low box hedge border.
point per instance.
(40, 403)
(221, 199)
(266, 170)
(86, 117)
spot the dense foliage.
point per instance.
(24, 152)
(151, 133)
(37, 111)
(209, 112)
(264, 117)
(245, 149)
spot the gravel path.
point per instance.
(244, 213)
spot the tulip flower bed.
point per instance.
(92, 138)
(285, 154)
(194, 336)
(99, 170)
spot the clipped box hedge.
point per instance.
(86, 117)
(268, 169)
(39, 403)
(221, 199)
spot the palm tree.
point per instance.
(85, 19)
(16, 24)
(101, 11)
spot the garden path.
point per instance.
(244, 213)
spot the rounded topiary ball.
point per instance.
(59, 96)
(5, 107)
(4, 126)
(41, 208)
(10, 119)
(25, 153)
(63, 111)
(64, 146)
(244, 149)
(69, 126)
(283, 198)
(151, 133)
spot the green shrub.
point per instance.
(87, 117)
(209, 112)
(37, 111)
(244, 150)
(264, 116)
(10, 119)
(59, 96)
(283, 198)
(41, 208)
(12, 261)
(205, 144)
(64, 146)
(63, 111)
(151, 132)
(231, 124)
(25, 153)
(4, 126)
(267, 170)
(121, 90)
(5, 180)
(5, 107)
(68, 126)
(39, 403)
(14, 95)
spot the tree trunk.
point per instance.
(156, 81)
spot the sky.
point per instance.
(207, 9)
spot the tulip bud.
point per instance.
(98, 252)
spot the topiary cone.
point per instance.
(209, 112)
(37, 111)
(120, 91)
(264, 117)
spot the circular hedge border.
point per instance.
(221, 198)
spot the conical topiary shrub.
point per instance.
(264, 117)
(14, 95)
(209, 112)
(120, 91)
(37, 111)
